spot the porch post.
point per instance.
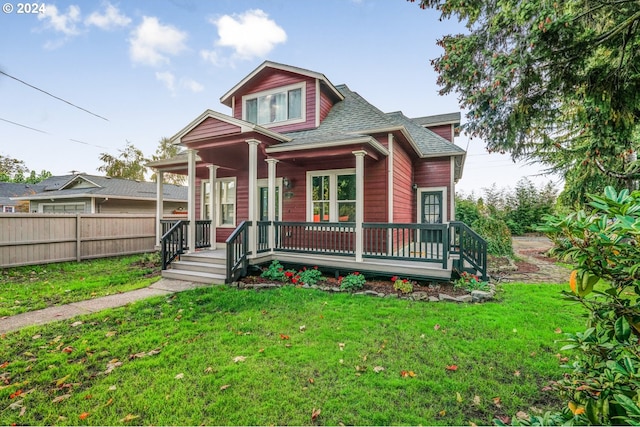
(253, 190)
(159, 205)
(359, 201)
(191, 199)
(213, 171)
(272, 200)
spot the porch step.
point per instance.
(202, 267)
(194, 276)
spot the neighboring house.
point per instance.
(9, 190)
(83, 193)
(317, 171)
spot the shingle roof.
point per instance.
(438, 119)
(353, 115)
(58, 186)
(12, 189)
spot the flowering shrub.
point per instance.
(309, 276)
(352, 282)
(403, 285)
(470, 282)
(276, 272)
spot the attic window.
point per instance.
(275, 106)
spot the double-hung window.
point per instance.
(331, 196)
(284, 104)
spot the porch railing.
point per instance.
(173, 242)
(413, 242)
(470, 246)
(238, 252)
(329, 238)
(175, 238)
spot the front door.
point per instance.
(432, 214)
(263, 206)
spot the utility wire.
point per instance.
(53, 96)
(23, 126)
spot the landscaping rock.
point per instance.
(481, 296)
(465, 298)
(434, 299)
(445, 297)
(420, 296)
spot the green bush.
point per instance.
(604, 243)
(403, 285)
(275, 271)
(309, 276)
(496, 233)
(352, 282)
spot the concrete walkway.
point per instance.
(67, 311)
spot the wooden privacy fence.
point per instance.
(28, 239)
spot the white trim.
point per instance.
(9, 209)
(445, 202)
(303, 107)
(333, 196)
(216, 195)
(283, 148)
(452, 185)
(317, 103)
(42, 205)
(264, 183)
(390, 180)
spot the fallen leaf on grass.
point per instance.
(62, 380)
(36, 336)
(113, 388)
(341, 346)
(476, 400)
(129, 417)
(67, 349)
(84, 415)
(284, 337)
(111, 365)
(436, 327)
(15, 394)
(110, 334)
(311, 381)
(315, 413)
(75, 324)
(16, 405)
(302, 328)
(458, 397)
(497, 402)
(61, 398)
(452, 368)
(407, 374)
(179, 376)
(516, 373)
(239, 359)
(504, 418)
(557, 331)
(522, 415)
(208, 370)
(442, 413)
(378, 369)
(224, 387)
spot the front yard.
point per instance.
(290, 356)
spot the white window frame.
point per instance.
(42, 205)
(303, 108)
(218, 205)
(333, 196)
(9, 209)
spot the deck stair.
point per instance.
(201, 267)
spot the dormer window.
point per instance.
(277, 106)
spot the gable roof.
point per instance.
(226, 98)
(356, 117)
(9, 190)
(439, 119)
(60, 187)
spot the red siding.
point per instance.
(325, 105)
(209, 127)
(403, 195)
(274, 79)
(435, 173)
(375, 190)
(444, 131)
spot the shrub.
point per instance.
(352, 282)
(403, 285)
(470, 282)
(276, 272)
(309, 276)
(604, 243)
(496, 233)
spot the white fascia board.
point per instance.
(283, 148)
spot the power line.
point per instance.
(53, 96)
(23, 126)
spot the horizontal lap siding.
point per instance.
(210, 127)
(375, 190)
(434, 173)
(444, 131)
(274, 80)
(403, 195)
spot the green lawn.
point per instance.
(35, 287)
(239, 357)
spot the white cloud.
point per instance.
(191, 85)
(251, 34)
(152, 42)
(168, 79)
(111, 19)
(61, 22)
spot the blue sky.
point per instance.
(151, 66)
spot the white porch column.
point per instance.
(253, 191)
(359, 201)
(191, 199)
(213, 172)
(271, 208)
(159, 205)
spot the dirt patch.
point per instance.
(533, 264)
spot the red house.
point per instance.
(310, 173)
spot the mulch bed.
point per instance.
(382, 286)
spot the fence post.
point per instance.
(78, 238)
